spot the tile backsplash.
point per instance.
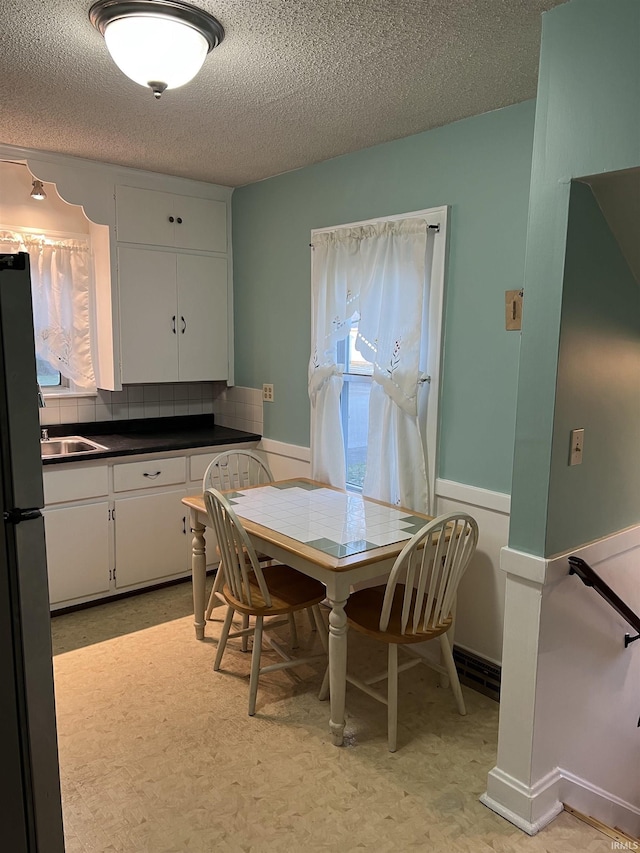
(235, 407)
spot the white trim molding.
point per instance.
(528, 808)
(474, 496)
(563, 661)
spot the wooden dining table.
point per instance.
(339, 538)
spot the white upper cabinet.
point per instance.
(154, 218)
(173, 316)
(173, 298)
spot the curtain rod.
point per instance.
(435, 228)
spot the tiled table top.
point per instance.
(333, 522)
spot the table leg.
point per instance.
(337, 668)
(198, 573)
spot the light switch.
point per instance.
(577, 444)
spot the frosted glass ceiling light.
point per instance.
(37, 191)
(157, 43)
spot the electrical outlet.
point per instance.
(267, 393)
(577, 445)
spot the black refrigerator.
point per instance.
(31, 814)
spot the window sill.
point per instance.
(65, 393)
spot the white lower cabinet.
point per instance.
(78, 554)
(152, 538)
(120, 525)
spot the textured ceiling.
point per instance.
(294, 82)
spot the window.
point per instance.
(377, 289)
(354, 407)
(48, 377)
(61, 274)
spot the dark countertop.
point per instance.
(148, 435)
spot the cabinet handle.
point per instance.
(184, 325)
(179, 220)
(184, 524)
(171, 219)
(173, 324)
(151, 476)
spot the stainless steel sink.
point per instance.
(70, 445)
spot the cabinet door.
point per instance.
(143, 216)
(167, 219)
(77, 540)
(202, 314)
(148, 315)
(152, 538)
(200, 223)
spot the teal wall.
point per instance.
(587, 122)
(598, 387)
(481, 168)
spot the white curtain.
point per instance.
(335, 282)
(378, 270)
(60, 279)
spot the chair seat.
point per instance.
(289, 589)
(363, 613)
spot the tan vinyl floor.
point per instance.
(158, 755)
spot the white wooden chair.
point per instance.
(233, 469)
(415, 605)
(252, 590)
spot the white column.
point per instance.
(512, 790)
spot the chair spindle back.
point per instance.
(236, 469)
(237, 554)
(431, 566)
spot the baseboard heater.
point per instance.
(477, 673)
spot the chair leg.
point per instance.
(294, 631)
(447, 655)
(216, 588)
(255, 665)
(222, 642)
(316, 617)
(324, 690)
(245, 637)
(312, 621)
(392, 697)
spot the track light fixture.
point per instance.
(37, 191)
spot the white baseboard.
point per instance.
(587, 798)
(528, 808)
(531, 809)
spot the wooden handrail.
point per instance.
(590, 578)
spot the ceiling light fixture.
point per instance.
(157, 43)
(37, 191)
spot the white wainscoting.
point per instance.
(570, 697)
(286, 460)
(480, 608)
